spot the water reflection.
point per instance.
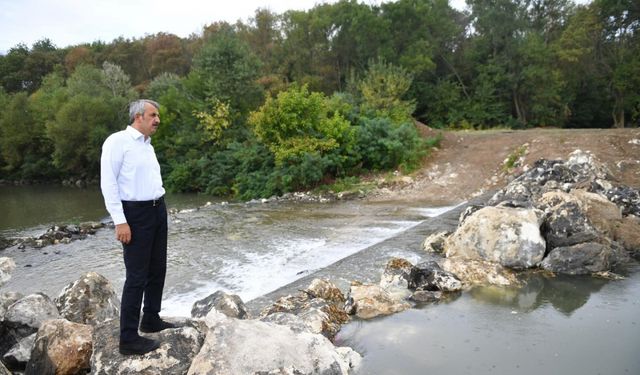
(36, 206)
(565, 293)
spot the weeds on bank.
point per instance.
(515, 158)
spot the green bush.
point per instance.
(383, 145)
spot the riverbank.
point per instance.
(470, 163)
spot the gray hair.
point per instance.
(137, 107)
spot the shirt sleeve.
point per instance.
(110, 164)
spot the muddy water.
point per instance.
(553, 326)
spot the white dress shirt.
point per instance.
(129, 171)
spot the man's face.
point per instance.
(149, 121)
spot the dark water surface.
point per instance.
(23, 207)
(577, 325)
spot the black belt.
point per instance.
(151, 203)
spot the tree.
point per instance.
(81, 126)
(227, 70)
(620, 51)
(80, 55)
(166, 54)
(12, 75)
(42, 59)
(22, 139)
(117, 81)
(382, 92)
(299, 122)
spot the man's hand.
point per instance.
(123, 233)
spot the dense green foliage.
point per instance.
(291, 101)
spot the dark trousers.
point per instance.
(145, 259)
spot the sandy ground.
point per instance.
(468, 164)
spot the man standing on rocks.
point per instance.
(132, 188)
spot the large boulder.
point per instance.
(89, 300)
(7, 265)
(228, 304)
(566, 223)
(479, 272)
(368, 301)
(234, 346)
(509, 236)
(584, 258)
(178, 346)
(61, 347)
(24, 317)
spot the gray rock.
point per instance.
(627, 234)
(24, 317)
(373, 300)
(18, 356)
(236, 346)
(5, 242)
(7, 265)
(325, 289)
(625, 197)
(584, 258)
(7, 299)
(479, 272)
(318, 314)
(178, 347)
(567, 225)
(425, 296)
(292, 321)
(4, 370)
(509, 236)
(395, 278)
(89, 300)
(228, 304)
(429, 276)
(61, 347)
(434, 243)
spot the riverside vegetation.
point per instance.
(292, 101)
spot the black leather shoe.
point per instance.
(154, 325)
(140, 345)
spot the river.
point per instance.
(576, 325)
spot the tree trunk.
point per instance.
(520, 111)
(618, 110)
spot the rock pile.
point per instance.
(562, 216)
(78, 332)
(54, 235)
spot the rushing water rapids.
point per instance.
(564, 325)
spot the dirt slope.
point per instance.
(470, 163)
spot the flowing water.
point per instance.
(565, 325)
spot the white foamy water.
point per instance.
(287, 259)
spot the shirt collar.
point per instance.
(135, 134)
